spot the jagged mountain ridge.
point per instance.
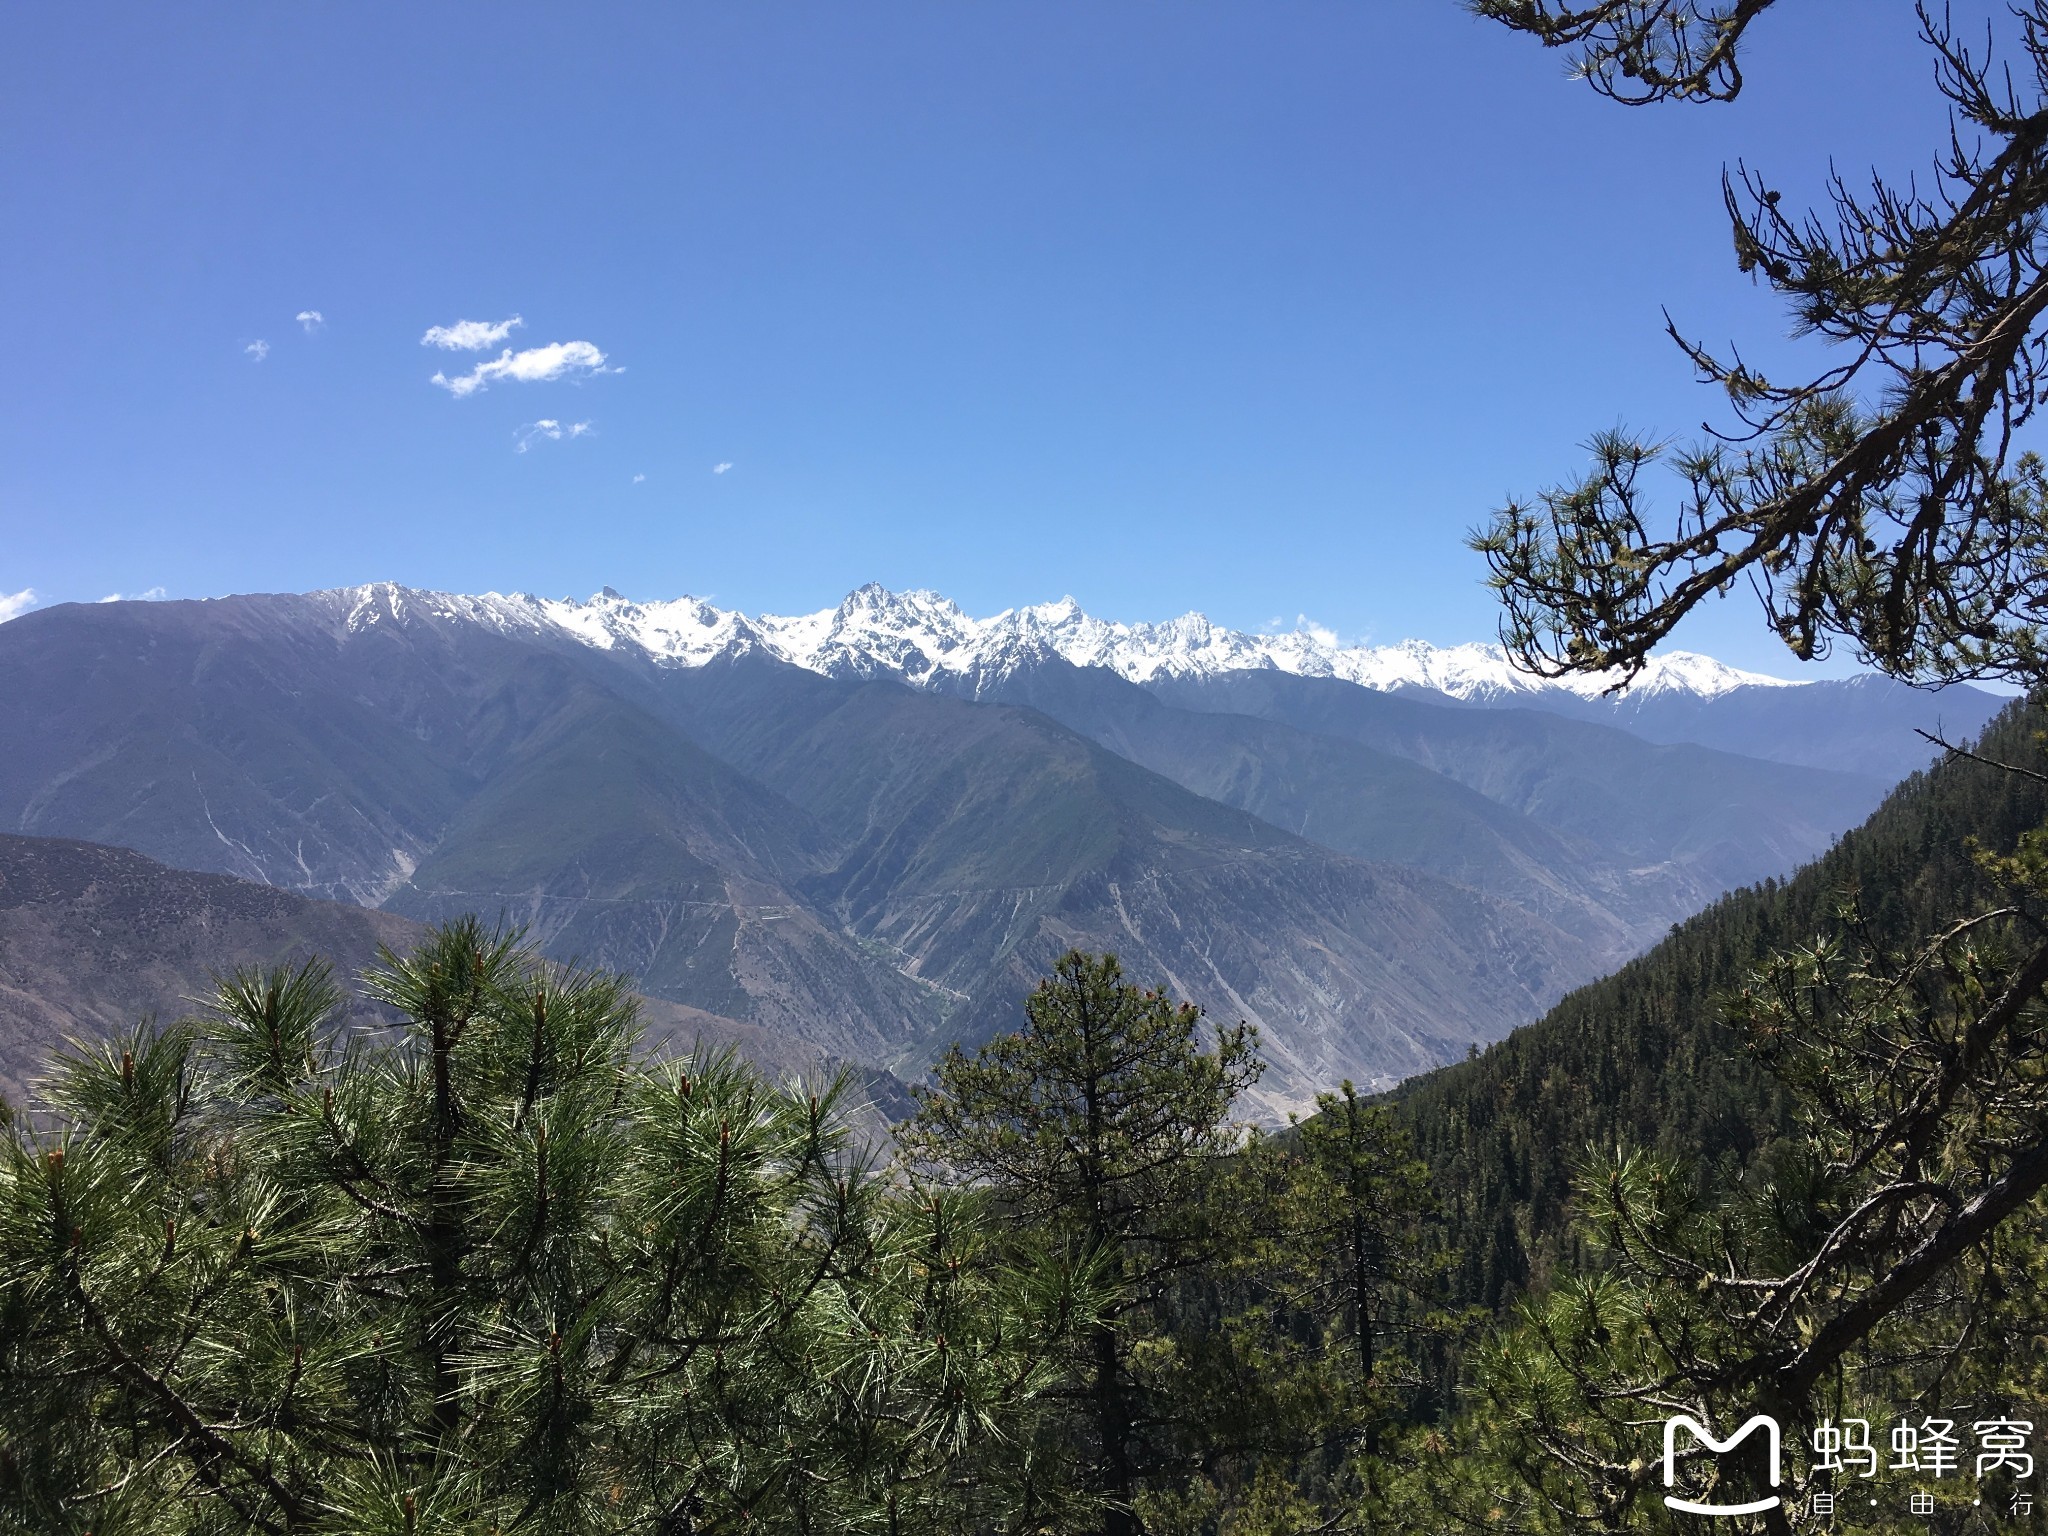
(922, 635)
(1866, 725)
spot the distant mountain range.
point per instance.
(923, 636)
(870, 829)
(1863, 725)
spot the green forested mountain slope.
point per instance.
(1641, 1057)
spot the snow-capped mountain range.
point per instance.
(925, 638)
(1285, 829)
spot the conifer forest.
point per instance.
(971, 1211)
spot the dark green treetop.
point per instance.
(491, 1271)
(1104, 1123)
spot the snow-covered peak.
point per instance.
(925, 638)
(1690, 672)
(1483, 672)
(875, 633)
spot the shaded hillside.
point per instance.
(979, 841)
(1370, 804)
(93, 939)
(609, 835)
(341, 750)
(1641, 1057)
(1722, 820)
(1858, 724)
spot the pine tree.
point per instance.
(1104, 1125)
(489, 1271)
(1364, 1200)
(1886, 1244)
(1889, 497)
(1883, 1254)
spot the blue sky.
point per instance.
(1251, 308)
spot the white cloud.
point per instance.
(536, 365)
(258, 350)
(554, 431)
(311, 319)
(638, 478)
(1322, 634)
(153, 595)
(470, 335)
(14, 604)
(719, 469)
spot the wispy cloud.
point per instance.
(310, 319)
(14, 604)
(1322, 634)
(258, 350)
(535, 365)
(550, 429)
(1304, 626)
(638, 478)
(719, 469)
(470, 335)
(153, 595)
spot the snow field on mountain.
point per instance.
(919, 636)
